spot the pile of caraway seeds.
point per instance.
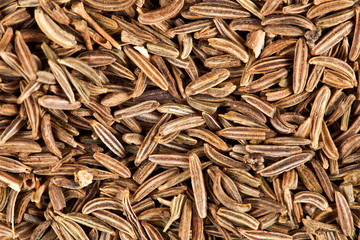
(179, 119)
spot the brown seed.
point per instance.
(232, 48)
(242, 219)
(163, 14)
(313, 198)
(207, 81)
(225, 199)
(149, 69)
(326, 7)
(110, 5)
(153, 183)
(108, 138)
(54, 31)
(332, 38)
(344, 214)
(286, 164)
(113, 165)
(301, 66)
(198, 185)
(138, 109)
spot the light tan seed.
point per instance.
(170, 160)
(238, 218)
(317, 114)
(296, 20)
(265, 107)
(336, 79)
(344, 214)
(198, 185)
(61, 78)
(138, 109)
(150, 71)
(286, 164)
(312, 198)
(301, 66)
(180, 124)
(262, 235)
(230, 47)
(163, 50)
(225, 199)
(151, 184)
(333, 37)
(113, 164)
(149, 143)
(217, 11)
(83, 68)
(108, 138)
(327, 7)
(269, 7)
(284, 30)
(273, 150)
(114, 220)
(243, 133)
(335, 19)
(54, 31)
(185, 221)
(101, 203)
(87, 220)
(323, 179)
(25, 57)
(110, 5)
(269, 64)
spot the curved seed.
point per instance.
(230, 47)
(225, 199)
(53, 31)
(238, 218)
(88, 221)
(108, 138)
(113, 165)
(115, 220)
(198, 185)
(48, 136)
(150, 70)
(138, 109)
(180, 124)
(264, 235)
(301, 66)
(110, 5)
(344, 214)
(162, 14)
(336, 19)
(208, 137)
(296, 20)
(82, 67)
(326, 7)
(334, 64)
(333, 37)
(101, 203)
(152, 183)
(313, 198)
(286, 164)
(355, 45)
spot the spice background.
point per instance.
(179, 119)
